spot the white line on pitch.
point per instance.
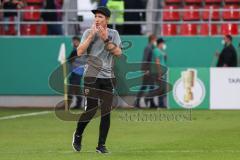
(132, 151)
(24, 115)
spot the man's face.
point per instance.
(101, 20)
(226, 40)
(75, 43)
(160, 45)
(154, 41)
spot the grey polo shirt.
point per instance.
(100, 62)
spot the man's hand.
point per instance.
(92, 32)
(103, 33)
(85, 44)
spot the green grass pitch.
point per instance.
(213, 135)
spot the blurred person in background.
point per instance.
(228, 55)
(75, 78)
(160, 57)
(147, 78)
(11, 29)
(117, 19)
(53, 29)
(71, 16)
(1, 18)
(84, 17)
(102, 2)
(133, 29)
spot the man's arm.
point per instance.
(159, 70)
(112, 46)
(84, 45)
(113, 49)
(86, 41)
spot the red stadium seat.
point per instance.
(193, 1)
(188, 29)
(191, 13)
(171, 15)
(228, 28)
(43, 29)
(169, 29)
(213, 1)
(1, 30)
(29, 29)
(34, 1)
(211, 9)
(231, 1)
(11, 27)
(204, 29)
(173, 1)
(31, 15)
(231, 14)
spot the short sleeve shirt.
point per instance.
(101, 61)
(158, 54)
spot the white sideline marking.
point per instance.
(24, 115)
(129, 151)
(153, 151)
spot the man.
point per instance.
(11, 29)
(101, 44)
(133, 29)
(146, 66)
(75, 78)
(159, 57)
(228, 56)
(53, 29)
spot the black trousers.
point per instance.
(98, 91)
(74, 88)
(147, 80)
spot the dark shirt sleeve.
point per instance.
(73, 54)
(147, 56)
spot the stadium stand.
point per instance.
(171, 14)
(191, 13)
(35, 2)
(196, 15)
(193, 1)
(230, 13)
(211, 12)
(213, 1)
(206, 29)
(179, 17)
(33, 14)
(228, 28)
(169, 29)
(188, 29)
(173, 1)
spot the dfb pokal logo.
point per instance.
(189, 90)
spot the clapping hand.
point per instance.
(93, 31)
(103, 33)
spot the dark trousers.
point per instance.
(162, 97)
(74, 88)
(55, 29)
(147, 80)
(98, 91)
